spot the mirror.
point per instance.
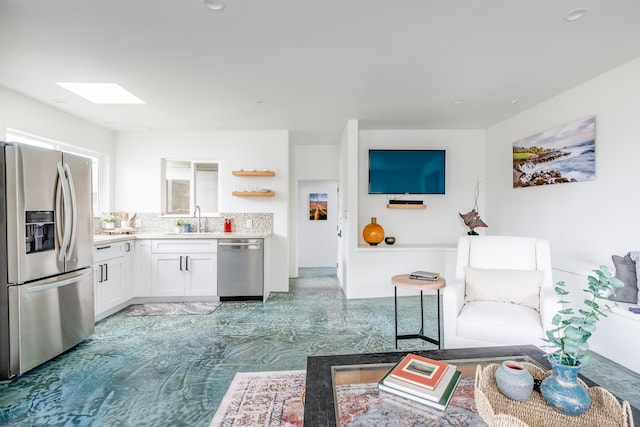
(187, 183)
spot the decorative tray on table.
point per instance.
(498, 410)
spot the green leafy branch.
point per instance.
(573, 330)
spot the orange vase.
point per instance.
(373, 233)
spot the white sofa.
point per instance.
(517, 263)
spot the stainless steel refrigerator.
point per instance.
(46, 255)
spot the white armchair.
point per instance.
(502, 293)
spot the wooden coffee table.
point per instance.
(324, 373)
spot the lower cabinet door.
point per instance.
(167, 275)
(113, 292)
(201, 275)
(110, 284)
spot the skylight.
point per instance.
(102, 93)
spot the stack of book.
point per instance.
(427, 381)
(424, 275)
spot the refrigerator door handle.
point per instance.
(58, 209)
(74, 211)
(64, 246)
(58, 284)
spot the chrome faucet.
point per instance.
(197, 211)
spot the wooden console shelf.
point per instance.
(253, 193)
(408, 206)
(253, 173)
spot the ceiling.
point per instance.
(309, 66)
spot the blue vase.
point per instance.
(562, 390)
(514, 381)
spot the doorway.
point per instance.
(317, 239)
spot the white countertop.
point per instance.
(99, 239)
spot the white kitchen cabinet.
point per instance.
(142, 274)
(183, 268)
(112, 269)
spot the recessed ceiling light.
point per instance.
(575, 14)
(515, 101)
(102, 93)
(458, 102)
(214, 4)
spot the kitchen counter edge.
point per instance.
(100, 239)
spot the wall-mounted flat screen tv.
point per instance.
(406, 171)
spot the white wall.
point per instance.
(439, 222)
(426, 238)
(138, 184)
(308, 162)
(317, 240)
(27, 115)
(347, 151)
(589, 220)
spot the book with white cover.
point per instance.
(440, 404)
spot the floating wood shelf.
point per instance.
(253, 193)
(407, 206)
(253, 173)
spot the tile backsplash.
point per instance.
(147, 222)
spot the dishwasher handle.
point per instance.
(238, 244)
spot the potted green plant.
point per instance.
(180, 223)
(108, 221)
(569, 340)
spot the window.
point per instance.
(25, 138)
(188, 183)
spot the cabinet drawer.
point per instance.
(187, 246)
(107, 251)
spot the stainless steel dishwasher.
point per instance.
(240, 269)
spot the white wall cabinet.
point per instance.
(183, 268)
(112, 269)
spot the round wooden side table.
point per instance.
(404, 281)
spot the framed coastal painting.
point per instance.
(566, 153)
(318, 206)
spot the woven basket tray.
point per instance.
(498, 410)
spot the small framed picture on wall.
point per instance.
(318, 206)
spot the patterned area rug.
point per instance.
(172, 309)
(365, 405)
(274, 399)
(267, 399)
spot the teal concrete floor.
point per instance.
(174, 370)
